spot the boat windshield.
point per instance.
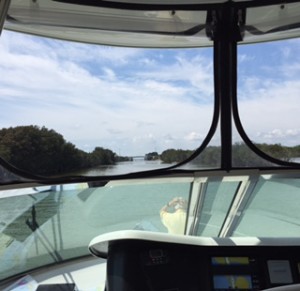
(45, 225)
(75, 109)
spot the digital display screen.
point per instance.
(232, 282)
(230, 261)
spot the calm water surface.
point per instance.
(137, 165)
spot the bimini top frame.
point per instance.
(145, 23)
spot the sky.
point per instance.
(136, 101)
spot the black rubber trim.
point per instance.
(141, 7)
(174, 7)
(23, 175)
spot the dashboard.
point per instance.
(142, 262)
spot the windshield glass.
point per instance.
(50, 224)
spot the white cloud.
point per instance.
(109, 73)
(280, 135)
(286, 51)
(275, 133)
(242, 58)
(194, 136)
(197, 73)
(271, 113)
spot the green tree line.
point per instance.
(45, 152)
(242, 156)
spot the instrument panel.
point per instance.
(160, 266)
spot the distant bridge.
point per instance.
(136, 158)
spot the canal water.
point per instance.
(137, 165)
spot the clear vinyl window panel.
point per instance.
(79, 109)
(268, 91)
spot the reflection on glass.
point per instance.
(174, 214)
(52, 224)
(272, 209)
(218, 198)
